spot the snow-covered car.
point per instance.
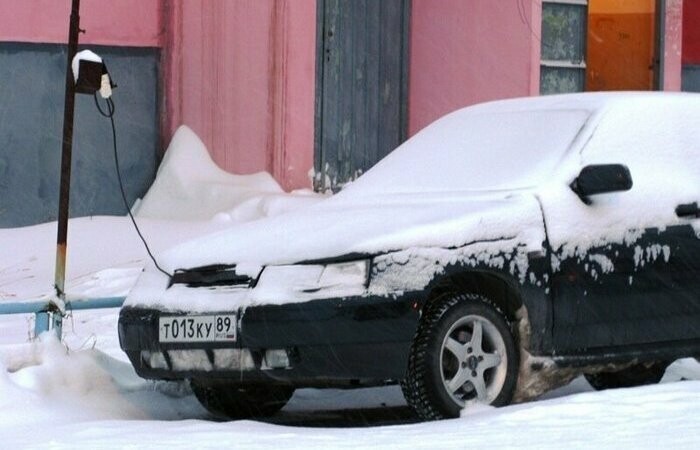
(500, 252)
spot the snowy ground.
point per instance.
(83, 393)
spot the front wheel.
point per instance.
(232, 401)
(464, 353)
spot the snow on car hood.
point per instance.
(430, 230)
(340, 226)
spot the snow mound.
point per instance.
(45, 381)
(190, 186)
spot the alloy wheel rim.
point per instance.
(473, 361)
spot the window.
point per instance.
(563, 66)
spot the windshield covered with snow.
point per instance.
(477, 150)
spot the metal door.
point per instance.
(622, 45)
(361, 86)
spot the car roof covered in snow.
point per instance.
(501, 145)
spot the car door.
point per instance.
(626, 266)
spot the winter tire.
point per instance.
(636, 375)
(464, 352)
(231, 401)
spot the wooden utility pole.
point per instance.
(66, 158)
(66, 154)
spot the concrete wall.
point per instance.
(33, 51)
(32, 82)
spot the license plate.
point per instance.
(212, 328)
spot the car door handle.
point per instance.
(688, 210)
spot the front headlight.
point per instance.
(336, 279)
(352, 273)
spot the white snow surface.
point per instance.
(189, 186)
(339, 226)
(330, 228)
(105, 255)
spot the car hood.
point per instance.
(343, 226)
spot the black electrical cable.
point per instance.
(110, 115)
(110, 111)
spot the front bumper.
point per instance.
(363, 340)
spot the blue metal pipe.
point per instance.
(41, 308)
(37, 306)
(42, 322)
(27, 307)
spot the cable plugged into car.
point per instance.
(85, 73)
(92, 77)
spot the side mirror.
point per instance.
(601, 179)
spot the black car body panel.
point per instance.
(338, 340)
(366, 340)
(651, 295)
(321, 337)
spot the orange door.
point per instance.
(621, 45)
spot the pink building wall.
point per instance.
(123, 22)
(241, 74)
(673, 40)
(466, 52)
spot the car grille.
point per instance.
(214, 275)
